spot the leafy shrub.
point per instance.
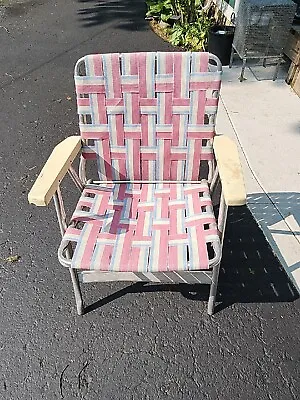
(187, 10)
(162, 9)
(191, 31)
(191, 36)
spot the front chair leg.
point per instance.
(213, 290)
(61, 216)
(77, 292)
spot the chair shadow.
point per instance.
(279, 214)
(288, 204)
(130, 14)
(250, 272)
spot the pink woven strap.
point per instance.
(148, 116)
(143, 227)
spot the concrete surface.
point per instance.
(152, 342)
(264, 118)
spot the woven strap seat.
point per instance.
(144, 227)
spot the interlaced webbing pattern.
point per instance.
(149, 119)
(144, 227)
(147, 116)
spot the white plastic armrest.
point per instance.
(230, 171)
(54, 170)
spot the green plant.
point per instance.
(191, 31)
(187, 10)
(164, 10)
(191, 36)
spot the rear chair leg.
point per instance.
(277, 70)
(243, 70)
(265, 62)
(213, 290)
(77, 292)
(231, 57)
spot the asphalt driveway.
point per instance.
(142, 342)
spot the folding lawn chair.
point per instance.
(148, 121)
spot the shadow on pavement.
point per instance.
(131, 12)
(280, 216)
(287, 203)
(250, 272)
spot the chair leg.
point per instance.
(60, 211)
(243, 70)
(276, 70)
(213, 290)
(231, 57)
(77, 292)
(265, 62)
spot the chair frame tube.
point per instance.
(202, 277)
(222, 217)
(61, 216)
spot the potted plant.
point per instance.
(220, 36)
(193, 25)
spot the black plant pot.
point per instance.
(220, 38)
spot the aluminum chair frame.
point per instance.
(224, 169)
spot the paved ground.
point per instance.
(149, 342)
(267, 131)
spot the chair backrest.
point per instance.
(148, 116)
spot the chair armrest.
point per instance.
(230, 171)
(54, 170)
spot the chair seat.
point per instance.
(144, 227)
